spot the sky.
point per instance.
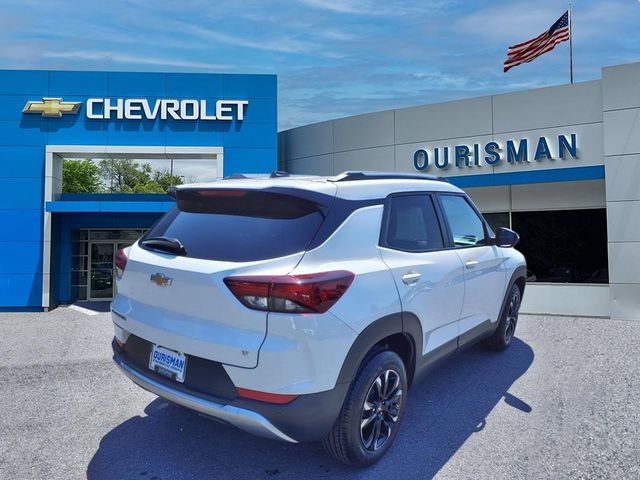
(333, 58)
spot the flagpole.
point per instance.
(570, 45)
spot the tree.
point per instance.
(128, 176)
(164, 179)
(123, 175)
(80, 176)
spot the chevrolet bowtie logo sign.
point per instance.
(52, 107)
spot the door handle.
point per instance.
(471, 263)
(411, 278)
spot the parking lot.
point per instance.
(562, 402)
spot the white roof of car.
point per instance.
(348, 185)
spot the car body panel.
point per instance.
(485, 278)
(196, 314)
(437, 296)
(300, 355)
(354, 247)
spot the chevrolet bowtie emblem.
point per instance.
(51, 107)
(161, 280)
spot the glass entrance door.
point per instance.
(101, 257)
(102, 254)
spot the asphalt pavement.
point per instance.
(562, 402)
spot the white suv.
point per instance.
(303, 308)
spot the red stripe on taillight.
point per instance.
(121, 262)
(308, 293)
(266, 397)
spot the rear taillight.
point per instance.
(121, 262)
(308, 293)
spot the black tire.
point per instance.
(506, 329)
(349, 442)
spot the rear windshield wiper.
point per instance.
(164, 244)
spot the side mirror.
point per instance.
(506, 238)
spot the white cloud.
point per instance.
(341, 6)
(376, 7)
(335, 35)
(102, 56)
(516, 23)
(277, 44)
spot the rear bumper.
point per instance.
(244, 419)
(307, 418)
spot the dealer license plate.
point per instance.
(168, 363)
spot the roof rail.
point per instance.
(279, 173)
(366, 175)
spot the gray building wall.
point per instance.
(387, 140)
(621, 106)
(605, 116)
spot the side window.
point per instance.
(466, 226)
(412, 224)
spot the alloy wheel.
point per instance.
(381, 410)
(512, 317)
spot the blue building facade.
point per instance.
(56, 247)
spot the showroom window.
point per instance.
(131, 175)
(497, 220)
(564, 246)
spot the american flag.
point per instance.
(543, 43)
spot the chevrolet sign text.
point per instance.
(165, 109)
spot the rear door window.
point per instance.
(240, 225)
(412, 224)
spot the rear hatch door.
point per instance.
(177, 298)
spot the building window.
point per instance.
(497, 220)
(88, 269)
(130, 175)
(564, 246)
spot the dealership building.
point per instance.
(58, 247)
(560, 165)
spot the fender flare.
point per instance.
(519, 273)
(404, 323)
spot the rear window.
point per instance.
(412, 224)
(240, 225)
